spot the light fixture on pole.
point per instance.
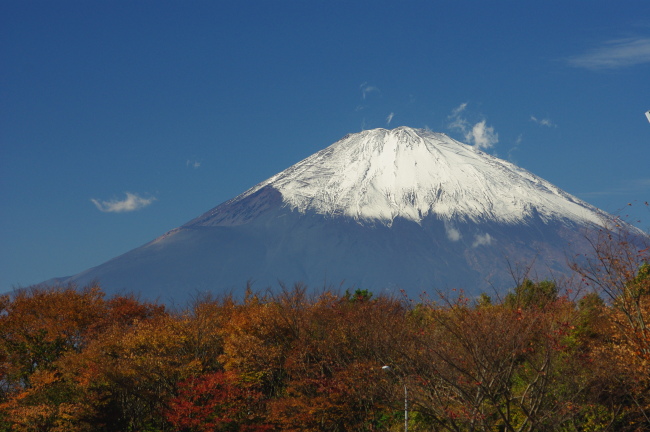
(406, 400)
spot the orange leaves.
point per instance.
(50, 403)
(299, 362)
(40, 325)
(56, 349)
(127, 310)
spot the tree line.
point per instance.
(545, 357)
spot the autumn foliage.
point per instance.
(544, 358)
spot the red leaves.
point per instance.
(211, 402)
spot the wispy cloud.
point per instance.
(480, 135)
(637, 186)
(459, 109)
(193, 164)
(457, 121)
(452, 233)
(132, 202)
(389, 118)
(614, 54)
(543, 122)
(366, 89)
(514, 148)
(363, 124)
(482, 240)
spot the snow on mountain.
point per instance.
(381, 209)
(378, 175)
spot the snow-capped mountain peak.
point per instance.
(378, 175)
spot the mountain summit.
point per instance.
(381, 209)
(376, 176)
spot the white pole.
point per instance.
(406, 408)
(406, 400)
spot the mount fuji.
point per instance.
(385, 210)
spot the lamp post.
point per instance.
(406, 400)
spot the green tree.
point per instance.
(532, 294)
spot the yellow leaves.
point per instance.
(32, 409)
(43, 378)
(150, 348)
(59, 418)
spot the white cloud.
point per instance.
(482, 240)
(367, 89)
(614, 54)
(452, 233)
(389, 118)
(132, 202)
(482, 136)
(543, 122)
(479, 135)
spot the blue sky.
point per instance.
(120, 120)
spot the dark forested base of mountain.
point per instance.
(543, 358)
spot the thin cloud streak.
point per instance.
(458, 122)
(614, 54)
(367, 89)
(543, 122)
(459, 109)
(389, 118)
(514, 148)
(132, 202)
(193, 164)
(630, 187)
